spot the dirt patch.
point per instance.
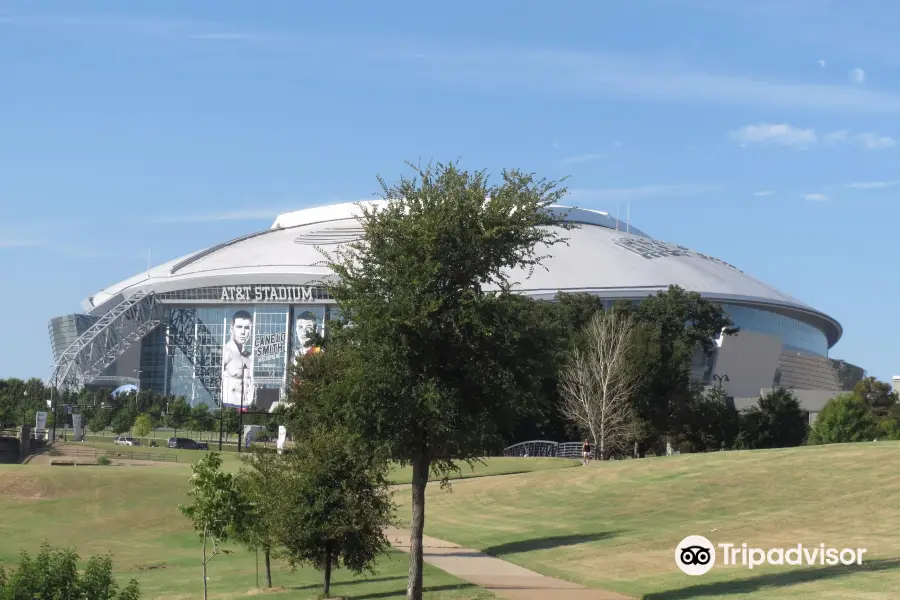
(19, 487)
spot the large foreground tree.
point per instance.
(441, 358)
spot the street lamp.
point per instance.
(720, 379)
(241, 417)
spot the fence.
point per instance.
(90, 452)
(544, 448)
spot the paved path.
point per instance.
(504, 579)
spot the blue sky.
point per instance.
(753, 131)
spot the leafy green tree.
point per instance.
(201, 418)
(439, 354)
(846, 418)
(711, 423)
(878, 395)
(143, 425)
(123, 420)
(218, 510)
(335, 504)
(261, 482)
(672, 327)
(53, 574)
(231, 421)
(179, 413)
(100, 420)
(777, 421)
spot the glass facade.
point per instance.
(232, 354)
(794, 334)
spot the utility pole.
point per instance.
(241, 416)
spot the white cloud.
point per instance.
(816, 197)
(506, 69)
(875, 141)
(645, 191)
(782, 134)
(871, 185)
(857, 75)
(821, 62)
(222, 36)
(796, 137)
(837, 136)
(763, 193)
(581, 158)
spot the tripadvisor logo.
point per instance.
(696, 555)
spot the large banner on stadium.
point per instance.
(237, 362)
(307, 321)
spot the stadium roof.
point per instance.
(598, 258)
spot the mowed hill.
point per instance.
(616, 525)
(611, 525)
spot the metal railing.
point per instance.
(545, 448)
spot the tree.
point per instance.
(178, 414)
(261, 484)
(440, 355)
(712, 423)
(54, 574)
(671, 328)
(100, 420)
(123, 420)
(218, 510)
(143, 425)
(848, 374)
(334, 506)
(777, 421)
(598, 382)
(878, 395)
(845, 418)
(201, 418)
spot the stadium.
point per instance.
(221, 325)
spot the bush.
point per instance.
(103, 460)
(846, 418)
(54, 574)
(776, 422)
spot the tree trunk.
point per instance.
(420, 466)
(326, 588)
(204, 566)
(268, 568)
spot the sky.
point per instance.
(754, 131)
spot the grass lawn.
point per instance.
(616, 525)
(231, 461)
(132, 512)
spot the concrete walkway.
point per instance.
(504, 579)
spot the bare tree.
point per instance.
(598, 381)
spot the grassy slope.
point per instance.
(616, 525)
(133, 513)
(400, 475)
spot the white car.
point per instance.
(127, 441)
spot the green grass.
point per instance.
(399, 475)
(133, 513)
(615, 525)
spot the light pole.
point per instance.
(720, 379)
(241, 416)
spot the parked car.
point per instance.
(124, 440)
(187, 444)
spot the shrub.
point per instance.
(776, 422)
(103, 460)
(54, 574)
(846, 418)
